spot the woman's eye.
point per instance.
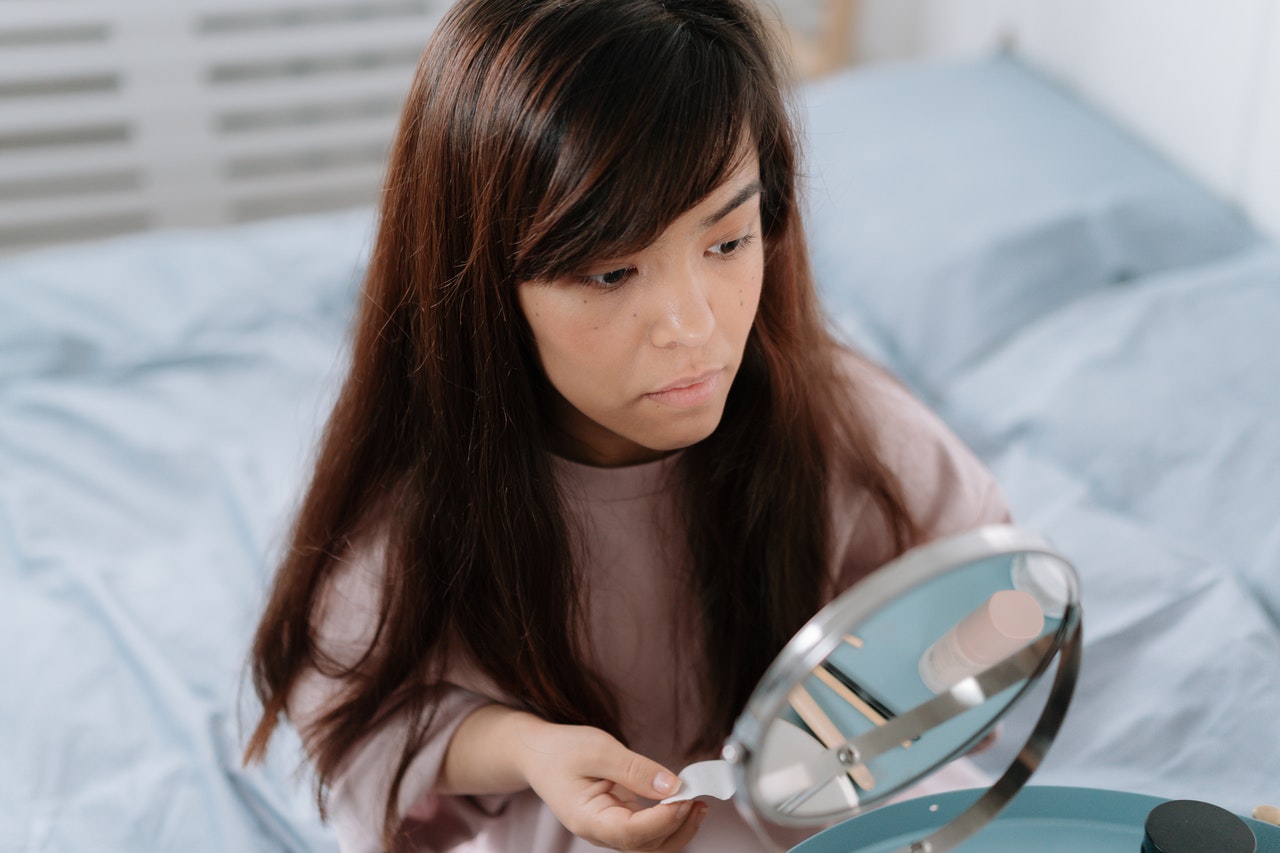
(610, 279)
(730, 246)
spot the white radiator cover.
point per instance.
(139, 114)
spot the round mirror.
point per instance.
(906, 671)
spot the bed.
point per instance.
(1096, 322)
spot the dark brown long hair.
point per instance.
(538, 137)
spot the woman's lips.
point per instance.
(689, 393)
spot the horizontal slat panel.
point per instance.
(221, 20)
(58, 62)
(79, 194)
(68, 111)
(315, 115)
(18, 94)
(222, 8)
(42, 61)
(185, 202)
(81, 137)
(271, 72)
(86, 182)
(284, 140)
(310, 201)
(33, 164)
(312, 54)
(365, 178)
(306, 162)
(349, 39)
(33, 14)
(31, 211)
(268, 70)
(314, 89)
(33, 235)
(147, 113)
(27, 13)
(68, 33)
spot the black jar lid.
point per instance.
(1190, 826)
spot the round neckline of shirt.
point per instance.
(627, 482)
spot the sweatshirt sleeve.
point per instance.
(946, 488)
(344, 630)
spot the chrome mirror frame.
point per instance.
(823, 633)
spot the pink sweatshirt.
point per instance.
(643, 642)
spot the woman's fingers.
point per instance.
(626, 828)
(640, 775)
(684, 833)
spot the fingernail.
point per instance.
(666, 783)
(683, 811)
(702, 812)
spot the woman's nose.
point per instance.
(683, 314)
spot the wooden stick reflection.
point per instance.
(859, 704)
(849, 696)
(826, 731)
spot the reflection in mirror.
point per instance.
(911, 685)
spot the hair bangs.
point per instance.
(649, 127)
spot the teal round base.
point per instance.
(1040, 819)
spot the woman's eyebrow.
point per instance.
(751, 189)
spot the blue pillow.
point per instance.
(1164, 397)
(951, 203)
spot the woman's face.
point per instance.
(641, 349)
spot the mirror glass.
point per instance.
(904, 672)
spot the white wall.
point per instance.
(1198, 79)
(892, 30)
(1261, 180)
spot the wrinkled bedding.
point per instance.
(1103, 332)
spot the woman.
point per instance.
(596, 458)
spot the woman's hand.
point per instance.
(589, 780)
(594, 785)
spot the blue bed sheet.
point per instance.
(1180, 676)
(158, 399)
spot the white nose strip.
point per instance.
(705, 779)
